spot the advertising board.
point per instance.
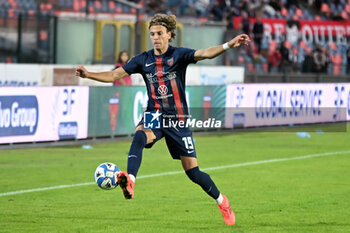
(33, 114)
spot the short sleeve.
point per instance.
(133, 66)
(188, 55)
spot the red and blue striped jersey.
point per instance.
(164, 76)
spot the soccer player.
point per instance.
(163, 69)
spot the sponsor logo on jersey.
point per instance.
(164, 96)
(152, 78)
(162, 90)
(18, 115)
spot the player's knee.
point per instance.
(150, 137)
(140, 138)
(194, 174)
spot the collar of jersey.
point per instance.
(164, 54)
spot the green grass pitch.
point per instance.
(300, 195)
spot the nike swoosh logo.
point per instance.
(147, 65)
(132, 156)
(190, 151)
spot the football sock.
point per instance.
(203, 180)
(219, 200)
(135, 154)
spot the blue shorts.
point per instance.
(178, 140)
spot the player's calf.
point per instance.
(203, 180)
(208, 185)
(135, 153)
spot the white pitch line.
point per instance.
(179, 172)
(44, 189)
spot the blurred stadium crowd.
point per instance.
(262, 56)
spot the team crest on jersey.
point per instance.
(171, 61)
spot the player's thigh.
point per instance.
(180, 143)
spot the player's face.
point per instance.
(159, 37)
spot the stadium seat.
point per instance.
(291, 11)
(340, 7)
(124, 8)
(2, 13)
(32, 5)
(333, 8)
(24, 5)
(61, 3)
(69, 3)
(307, 15)
(20, 4)
(104, 5)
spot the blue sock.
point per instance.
(203, 180)
(135, 154)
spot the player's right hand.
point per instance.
(80, 71)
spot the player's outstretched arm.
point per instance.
(107, 77)
(215, 51)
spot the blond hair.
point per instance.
(168, 21)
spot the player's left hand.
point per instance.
(239, 40)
